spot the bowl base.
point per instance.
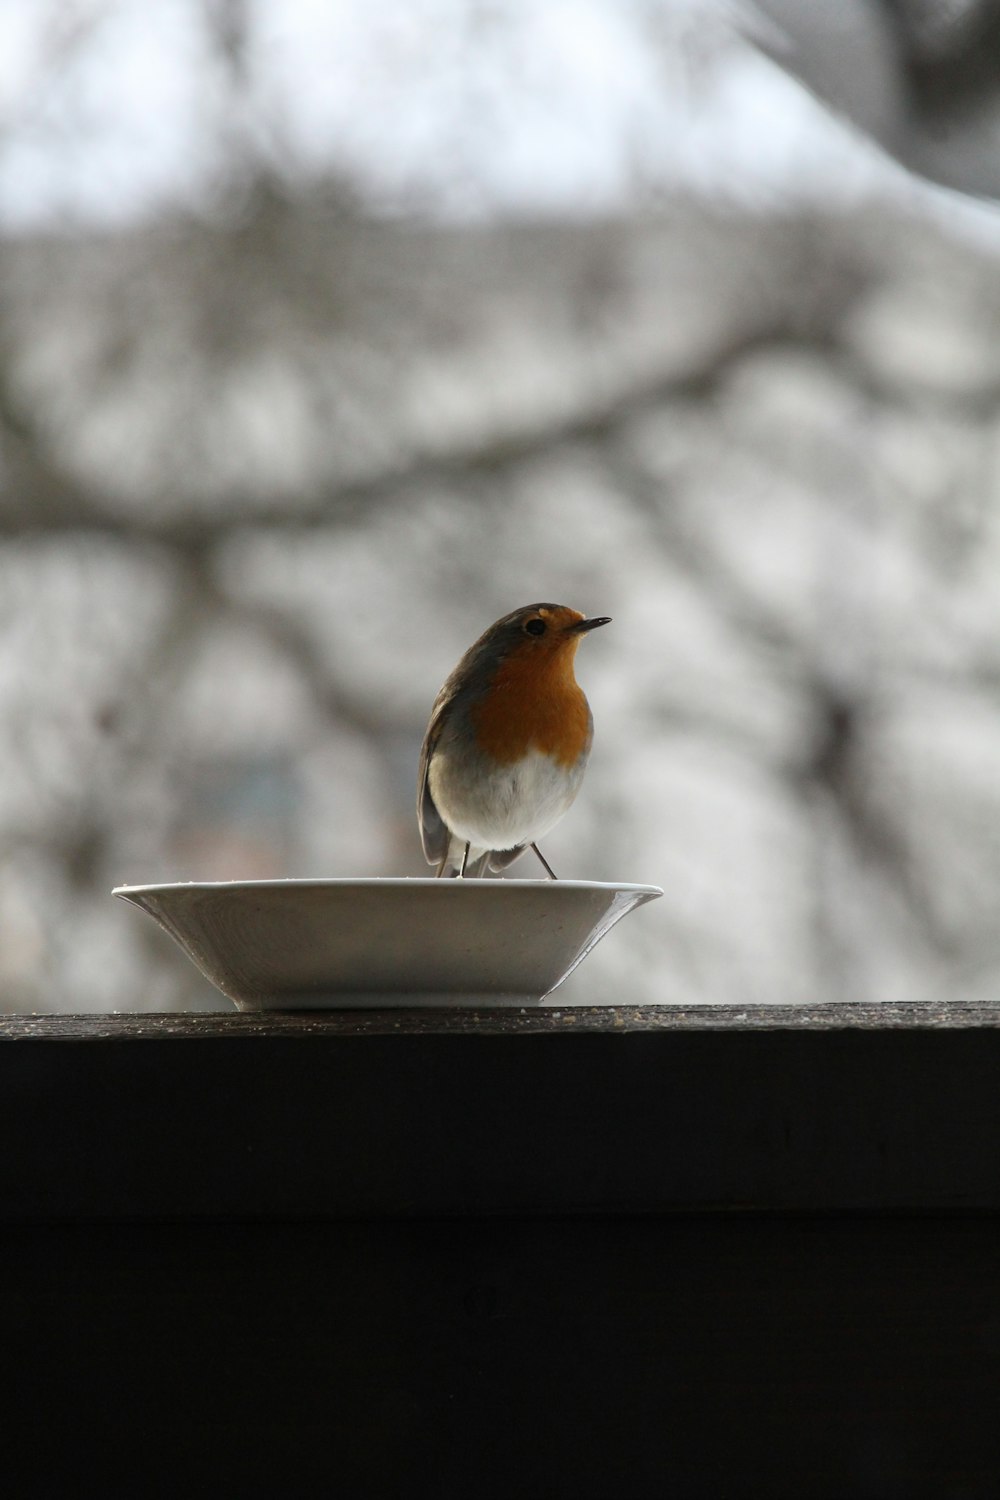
(387, 1000)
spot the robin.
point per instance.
(507, 744)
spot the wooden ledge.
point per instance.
(127, 1026)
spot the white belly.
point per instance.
(513, 805)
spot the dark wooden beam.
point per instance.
(561, 1252)
(413, 1113)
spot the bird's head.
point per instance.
(540, 632)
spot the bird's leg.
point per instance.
(551, 873)
(465, 860)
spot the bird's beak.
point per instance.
(582, 625)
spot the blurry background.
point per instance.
(331, 331)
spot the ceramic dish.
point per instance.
(326, 944)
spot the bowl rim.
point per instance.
(396, 882)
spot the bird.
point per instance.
(507, 743)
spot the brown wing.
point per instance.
(464, 684)
(434, 834)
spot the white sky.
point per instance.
(113, 109)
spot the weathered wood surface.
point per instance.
(544, 1019)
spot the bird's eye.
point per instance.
(535, 627)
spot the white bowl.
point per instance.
(329, 944)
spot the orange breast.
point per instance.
(534, 703)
